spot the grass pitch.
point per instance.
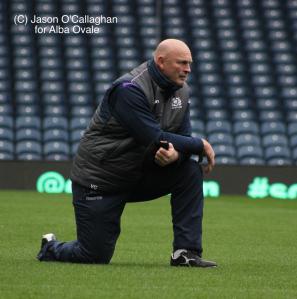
(254, 243)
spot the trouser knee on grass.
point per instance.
(98, 227)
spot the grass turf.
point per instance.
(254, 243)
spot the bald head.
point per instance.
(173, 58)
(170, 46)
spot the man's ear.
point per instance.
(160, 62)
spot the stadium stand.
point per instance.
(244, 74)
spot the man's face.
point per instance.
(176, 66)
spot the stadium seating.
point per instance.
(243, 80)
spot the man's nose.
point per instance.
(187, 68)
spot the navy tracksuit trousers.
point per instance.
(98, 216)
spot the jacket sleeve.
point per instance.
(186, 130)
(130, 108)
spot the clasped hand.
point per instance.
(165, 157)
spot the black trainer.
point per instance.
(44, 254)
(187, 258)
